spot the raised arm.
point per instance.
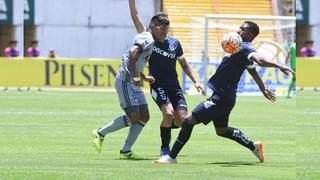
(133, 57)
(186, 68)
(266, 92)
(262, 61)
(135, 17)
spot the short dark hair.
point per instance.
(161, 17)
(34, 42)
(253, 28)
(308, 42)
(13, 42)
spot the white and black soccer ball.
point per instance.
(231, 43)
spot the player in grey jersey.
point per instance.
(131, 97)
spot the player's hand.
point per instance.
(136, 81)
(199, 88)
(269, 95)
(286, 70)
(150, 79)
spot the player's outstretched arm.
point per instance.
(266, 92)
(135, 17)
(262, 61)
(186, 68)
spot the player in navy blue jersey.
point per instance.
(224, 85)
(166, 91)
(131, 97)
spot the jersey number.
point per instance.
(162, 94)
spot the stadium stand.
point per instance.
(184, 16)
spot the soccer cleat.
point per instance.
(165, 160)
(258, 152)
(164, 151)
(97, 140)
(128, 155)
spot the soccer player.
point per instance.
(224, 85)
(131, 97)
(166, 91)
(292, 56)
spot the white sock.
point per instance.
(115, 125)
(133, 134)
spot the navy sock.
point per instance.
(182, 139)
(238, 136)
(165, 133)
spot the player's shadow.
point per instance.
(147, 158)
(137, 159)
(234, 164)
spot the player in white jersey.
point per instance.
(127, 85)
(131, 97)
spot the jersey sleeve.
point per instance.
(248, 51)
(144, 41)
(179, 51)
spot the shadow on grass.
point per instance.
(136, 159)
(146, 158)
(235, 164)
(230, 164)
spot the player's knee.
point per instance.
(189, 119)
(168, 115)
(145, 118)
(134, 117)
(221, 131)
(179, 118)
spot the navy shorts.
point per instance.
(164, 95)
(216, 109)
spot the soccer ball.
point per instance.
(231, 43)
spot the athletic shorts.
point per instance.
(165, 95)
(216, 109)
(129, 94)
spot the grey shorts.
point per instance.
(129, 94)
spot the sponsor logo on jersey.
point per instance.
(172, 47)
(164, 53)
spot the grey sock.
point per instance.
(115, 125)
(134, 132)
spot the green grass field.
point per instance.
(46, 135)
(307, 136)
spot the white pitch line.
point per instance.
(52, 113)
(309, 112)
